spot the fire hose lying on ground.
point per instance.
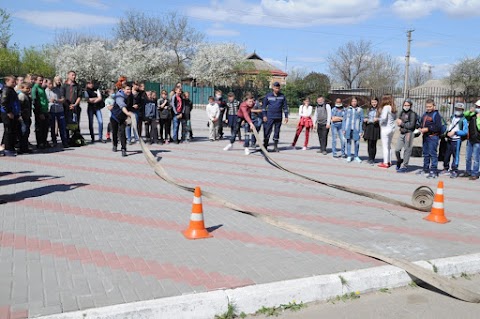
(422, 199)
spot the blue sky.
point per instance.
(305, 31)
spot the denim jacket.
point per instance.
(355, 116)
(339, 112)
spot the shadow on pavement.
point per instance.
(26, 179)
(39, 192)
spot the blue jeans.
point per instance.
(473, 152)
(453, 150)
(337, 131)
(129, 130)
(236, 130)
(62, 127)
(430, 153)
(176, 127)
(98, 114)
(349, 138)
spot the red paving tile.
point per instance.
(156, 269)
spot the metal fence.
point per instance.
(198, 94)
(444, 98)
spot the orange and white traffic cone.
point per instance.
(437, 214)
(196, 229)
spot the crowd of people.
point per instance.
(55, 107)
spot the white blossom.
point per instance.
(217, 63)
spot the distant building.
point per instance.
(258, 70)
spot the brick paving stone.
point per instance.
(76, 234)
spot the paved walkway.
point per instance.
(87, 228)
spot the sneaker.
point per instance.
(304, 148)
(402, 170)
(399, 163)
(344, 156)
(10, 153)
(473, 178)
(357, 159)
(124, 153)
(432, 175)
(349, 159)
(324, 152)
(454, 174)
(465, 174)
(114, 149)
(444, 172)
(167, 142)
(247, 151)
(383, 165)
(421, 172)
(228, 147)
(131, 142)
(102, 141)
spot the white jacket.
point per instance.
(213, 111)
(305, 111)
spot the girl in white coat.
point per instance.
(305, 114)
(388, 114)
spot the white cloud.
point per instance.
(309, 59)
(97, 4)
(63, 19)
(414, 9)
(286, 13)
(218, 30)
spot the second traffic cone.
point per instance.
(196, 229)
(437, 214)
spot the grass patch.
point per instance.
(385, 290)
(231, 313)
(464, 275)
(343, 280)
(413, 284)
(345, 297)
(293, 306)
(268, 311)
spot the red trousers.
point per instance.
(297, 134)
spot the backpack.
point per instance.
(443, 130)
(150, 110)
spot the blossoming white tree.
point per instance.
(217, 63)
(137, 61)
(91, 61)
(103, 62)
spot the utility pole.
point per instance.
(286, 65)
(407, 63)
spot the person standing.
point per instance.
(218, 99)
(40, 108)
(119, 116)
(150, 117)
(178, 119)
(213, 114)
(72, 94)
(10, 111)
(473, 143)
(95, 105)
(338, 114)
(25, 120)
(273, 105)
(164, 117)
(305, 121)
(57, 114)
(232, 106)
(457, 130)
(188, 116)
(407, 121)
(431, 128)
(387, 112)
(322, 121)
(353, 129)
(372, 130)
